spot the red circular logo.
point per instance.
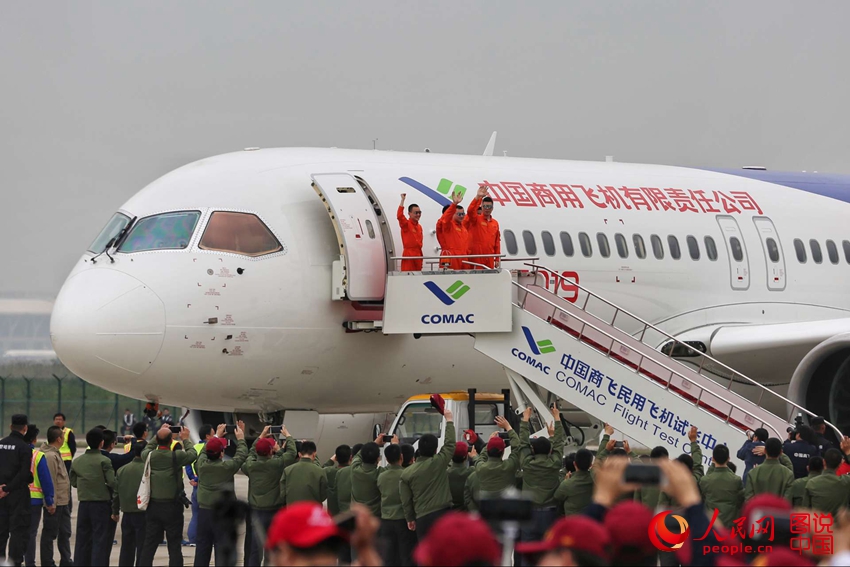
(664, 539)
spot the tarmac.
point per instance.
(161, 558)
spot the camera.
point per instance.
(182, 499)
(388, 438)
(230, 429)
(643, 474)
(506, 509)
(176, 428)
(619, 445)
(276, 429)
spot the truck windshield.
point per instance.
(115, 225)
(417, 420)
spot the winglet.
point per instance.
(488, 151)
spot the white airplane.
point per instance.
(222, 285)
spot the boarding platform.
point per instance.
(589, 352)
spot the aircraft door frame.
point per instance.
(776, 272)
(739, 270)
(361, 244)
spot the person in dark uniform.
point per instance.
(15, 478)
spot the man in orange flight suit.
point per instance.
(440, 228)
(411, 235)
(484, 234)
(455, 235)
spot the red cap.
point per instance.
(496, 443)
(630, 522)
(573, 532)
(302, 525)
(438, 402)
(765, 502)
(462, 450)
(215, 446)
(470, 436)
(264, 446)
(458, 539)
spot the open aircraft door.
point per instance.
(361, 272)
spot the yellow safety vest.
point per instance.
(65, 450)
(35, 486)
(198, 448)
(173, 443)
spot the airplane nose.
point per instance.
(107, 327)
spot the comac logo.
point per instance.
(445, 188)
(539, 347)
(662, 538)
(450, 295)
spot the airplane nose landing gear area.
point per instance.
(107, 326)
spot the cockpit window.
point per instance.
(240, 233)
(169, 231)
(115, 225)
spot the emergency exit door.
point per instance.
(361, 246)
(773, 256)
(739, 264)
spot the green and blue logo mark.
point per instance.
(538, 347)
(450, 295)
(442, 194)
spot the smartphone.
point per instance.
(345, 521)
(230, 429)
(619, 445)
(504, 435)
(643, 474)
(276, 429)
(176, 428)
(388, 438)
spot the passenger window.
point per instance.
(567, 244)
(584, 242)
(846, 245)
(602, 241)
(115, 225)
(710, 248)
(801, 250)
(693, 247)
(169, 231)
(673, 243)
(510, 242)
(832, 251)
(773, 251)
(817, 255)
(548, 243)
(640, 247)
(243, 233)
(622, 246)
(657, 247)
(737, 250)
(530, 243)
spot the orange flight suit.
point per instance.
(411, 239)
(455, 239)
(484, 236)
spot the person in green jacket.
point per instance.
(165, 511)
(459, 470)
(305, 480)
(541, 459)
(769, 477)
(797, 491)
(828, 492)
(575, 493)
(424, 486)
(470, 491)
(264, 468)
(94, 478)
(495, 473)
(400, 541)
(365, 473)
(215, 479)
(124, 499)
(722, 490)
(343, 481)
(340, 460)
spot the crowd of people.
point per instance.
(385, 503)
(460, 232)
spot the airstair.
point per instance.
(591, 353)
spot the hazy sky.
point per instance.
(100, 98)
